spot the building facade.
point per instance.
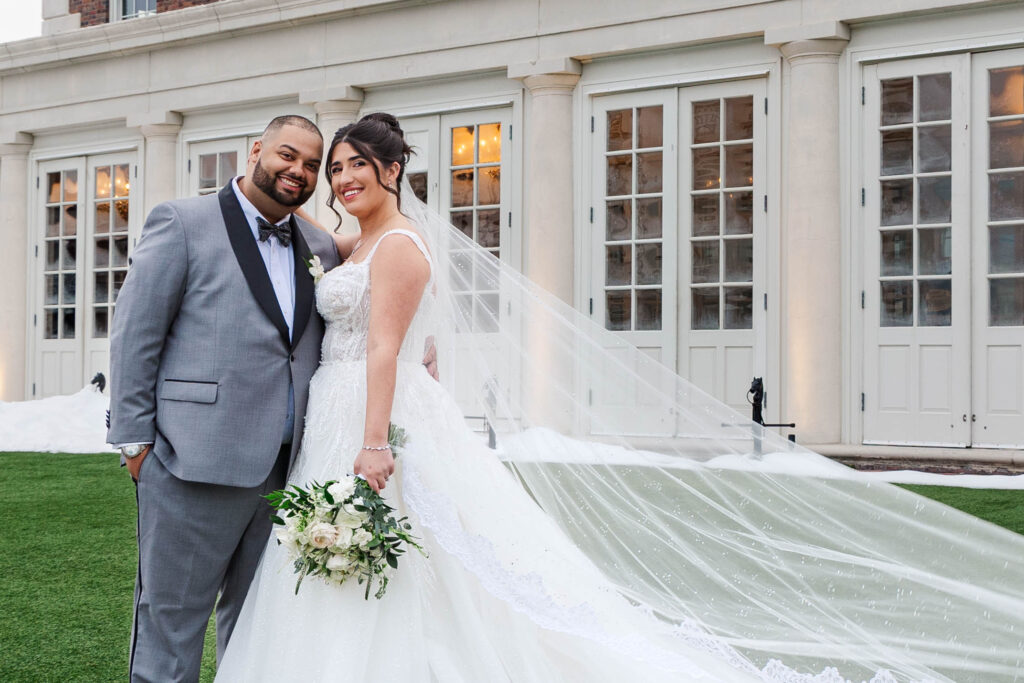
(826, 194)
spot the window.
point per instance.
(130, 9)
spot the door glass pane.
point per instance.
(68, 323)
(705, 215)
(648, 172)
(1006, 91)
(934, 251)
(738, 308)
(227, 167)
(897, 308)
(934, 149)
(648, 219)
(53, 221)
(739, 118)
(648, 264)
(488, 228)
(620, 175)
(620, 130)
(71, 220)
(648, 309)
(103, 182)
(101, 288)
(704, 308)
(121, 215)
(706, 117)
(936, 200)
(121, 186)
(619, 265)
(897, 202)
(618, 311)
(705, 261)
(935, 102)
(53, 187)
(101, 224)
(619, 219)
(52, 254)
(897, 256)
(207, 171)
(463, 143)
(1006, 302)
(489, 189)
(418, 181)
(50, 323)
(462, 187)
(898, 151)
(1006, 144)
(71, 186)
(649, 130)
(935, 303)
(52, 289)
(119, 255)
(490, 143)
(99, 323)
(706, 168)
(1006, 196)
(739, 213)
(68, 254)
(739, 261)
(897, 101)
(1006, 249)
(101, 253)
(739, 165)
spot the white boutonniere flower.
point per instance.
(316, 269)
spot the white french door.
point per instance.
(678, 240)
(997, 220)
(943, 233)
(461, 167)
(81, 262)
(213, 163)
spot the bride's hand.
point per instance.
(375, 467)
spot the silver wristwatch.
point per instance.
(133, 450)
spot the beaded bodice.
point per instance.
(343, 300)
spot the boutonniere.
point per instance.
(316, 269)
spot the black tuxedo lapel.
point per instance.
(303, 283)
(250, 260)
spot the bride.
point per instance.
(595, 518)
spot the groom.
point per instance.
(213, 345)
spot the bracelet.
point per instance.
(386, 447)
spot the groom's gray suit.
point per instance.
(202, 364)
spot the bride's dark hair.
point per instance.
(378, 137)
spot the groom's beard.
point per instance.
(268, 184)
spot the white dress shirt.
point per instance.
(279, 260)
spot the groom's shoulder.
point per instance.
(207, 203)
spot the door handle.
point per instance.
(974, 418)
(965, 417)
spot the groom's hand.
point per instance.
(430, 359)
(135, 464)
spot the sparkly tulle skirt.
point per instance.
(503, 596)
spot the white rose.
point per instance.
(361, 537)
(343, 538)
(287, 537)
(339, 563)
(349, 520)
(321, 535)
(316, 269)
(340, 490)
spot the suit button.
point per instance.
(293, 357)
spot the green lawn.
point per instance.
(67, 569)
(67, 563)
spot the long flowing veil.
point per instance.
(726, 535)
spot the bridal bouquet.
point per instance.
(340, 529)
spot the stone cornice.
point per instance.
(184, 25)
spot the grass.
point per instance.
(67, 569)
(67, 563)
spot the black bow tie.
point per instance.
(283, 233)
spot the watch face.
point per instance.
(132, 451)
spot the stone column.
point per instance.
(14, 233)
(160, 167)
(549, 256)
(335, 107)
(548, 249)
(811, 314)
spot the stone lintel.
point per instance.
(338, 93)
(555, 66)
(137, 119)
(835, 30)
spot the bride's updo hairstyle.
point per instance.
(379, 138)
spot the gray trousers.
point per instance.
(195, 541)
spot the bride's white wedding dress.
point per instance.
(503, 596)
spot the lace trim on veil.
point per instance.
(526, 594)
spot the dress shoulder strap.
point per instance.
(417, 240)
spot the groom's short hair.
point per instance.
(292, 120)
